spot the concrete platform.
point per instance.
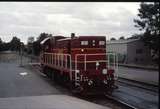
(141, 75)
(146, 67)
(47, 102)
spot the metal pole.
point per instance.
(70, 67)
(21, 55)
(85, 62)
(108, 61)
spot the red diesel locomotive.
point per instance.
(80, 62)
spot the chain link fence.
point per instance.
(21, 59)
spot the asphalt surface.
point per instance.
(18, 81)
(47, 102)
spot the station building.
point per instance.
(130, 51)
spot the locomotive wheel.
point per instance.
(74, 90)
(109, 92)
(58, 78)
(63, 80)
(44, 70)
(55, 76)
(52, 75)
(48, 72)
(66, 80)
(72, 87)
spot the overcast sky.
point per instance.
(32, 18)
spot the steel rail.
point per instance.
(138, 84)
(128, 106)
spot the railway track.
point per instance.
(109, 101)
(124, 104)
(138, 84)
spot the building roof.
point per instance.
(121, 41)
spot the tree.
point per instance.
(36, 48)
(1, 44)
(42, 36)
(112, 38)
(36, 44)
(122, 38)
(0, 41)
(149, 23)
(135, 36)
(15, 44)
(30, 39)
(30, 45)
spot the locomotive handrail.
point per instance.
(115, 60)
(76, 56)
(92, 61)
(58, 61)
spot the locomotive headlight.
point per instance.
(104, 71)
(82, 50)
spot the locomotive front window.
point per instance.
(84, 42)
(101, 42)
(93, 42)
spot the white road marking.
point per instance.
(23, 73)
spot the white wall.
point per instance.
(117, 48)
(142, 58)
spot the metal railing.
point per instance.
(113, 63)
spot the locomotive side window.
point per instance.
(84, 42)
(101, 42)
